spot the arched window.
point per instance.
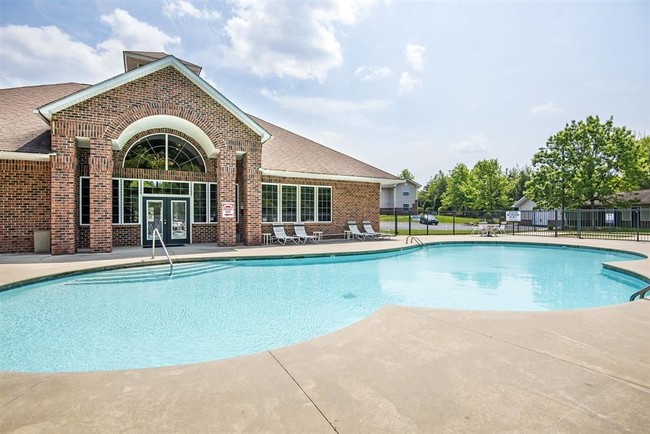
(164, 152)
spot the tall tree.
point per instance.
(407, 175)
(489, 188)
(644, 143)
(517, 178)
(431, 195)
(457, 197)
(586, 162)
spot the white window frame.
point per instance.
(298, 202)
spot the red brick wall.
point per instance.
(24, 203)
(105, 116)
(355, 201)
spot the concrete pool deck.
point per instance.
(400, 370)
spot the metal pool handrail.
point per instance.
(641, 293)
(162, 243)
(414, 240)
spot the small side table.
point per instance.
(318, 235)
(347, 235)
(266, 238)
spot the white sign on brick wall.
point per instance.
(228, 210)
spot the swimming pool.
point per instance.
(137, 318)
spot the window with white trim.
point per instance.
(290, 203)
(164, 152)
(125, 200)
(406, 193)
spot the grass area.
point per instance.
(441, 219)
(433, 232)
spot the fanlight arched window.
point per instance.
(164, 152)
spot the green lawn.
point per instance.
(441, 219)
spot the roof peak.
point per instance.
(136, 59)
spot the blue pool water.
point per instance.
(136, 318)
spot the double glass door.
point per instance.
(170, 216)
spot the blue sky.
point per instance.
(421, 85)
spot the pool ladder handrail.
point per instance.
(162, 243)
(640, 293)
(414, 240)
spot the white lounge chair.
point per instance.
(367, 226)
(356, 233)
(299, 229)
(280, 236)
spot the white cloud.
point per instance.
(408, 84)
(415, 56)
(371, 73)
(184, 8)
(320, 106)
(474, 144)
(47, 54)
(545, 109)
(289, 39)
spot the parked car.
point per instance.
(428, 219)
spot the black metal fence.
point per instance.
(631, 224)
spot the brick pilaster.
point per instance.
(100, 167)
(251, 198)
(226, 188)
(64, 193)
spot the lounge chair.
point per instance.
(280, 236)
(299, 229)
(367, 226)
(356, 233)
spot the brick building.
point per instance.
(93, 167)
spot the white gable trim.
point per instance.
(49, 109)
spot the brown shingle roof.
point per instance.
(290, 152)
(22, 130)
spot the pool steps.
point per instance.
(150, 274)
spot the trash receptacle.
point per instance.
(41, 241)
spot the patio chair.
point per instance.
(299, 229)
(356, 233)
(481, 229)
(501, 229)
(280, 236)
(367, 226)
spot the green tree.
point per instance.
(517, 179)
(407, 175)
(587, 161)
(489, 187)
(457, 197)
(644, 143)
(431, 195)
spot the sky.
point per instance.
(422, 85)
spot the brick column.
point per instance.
(226, 191)
(64, 205)
(100, 166)
(250, 190)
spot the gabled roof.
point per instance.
(24, 135)
(289, 154)
(169, 61)
(22, 130)
(521, 201)
(136, 59)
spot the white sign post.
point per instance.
(513, 216)
(228, 210)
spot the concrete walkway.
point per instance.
(400, 370)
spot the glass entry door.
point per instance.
(170, 216)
